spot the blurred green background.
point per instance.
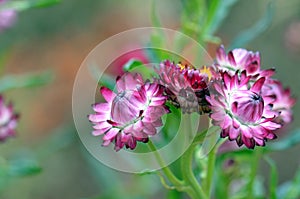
(60, 37)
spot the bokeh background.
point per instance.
(58, 38)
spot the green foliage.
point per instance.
(172, 122)
(131, 64)
(289, 141)
(9, 82)
(200, 19)
(173, 194)
(20, 166)
(273, 178)
(23, 167)
(290, 189)
(217, 12)
(27, 4)
(193, 16)
(154, 17)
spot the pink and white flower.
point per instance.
(8, 120)
(242, 111)
(237, 59)
(283, 102)
(130, 115)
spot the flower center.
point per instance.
(247, 106)
(123, 108)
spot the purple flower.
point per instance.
(238, 59)
(242, 111)
(7, 17)
(283, 102)
(186, 87)
(8, 120)
(130, 115)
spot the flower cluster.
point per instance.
(244, 100)
(248, 104)
(8, 120)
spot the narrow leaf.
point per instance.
(273, 178)
(131, 64)
(217, 12)
(24, 81)
(24, 167)
(24, 5)
(154, 17)
(285, 143)
(259, 27)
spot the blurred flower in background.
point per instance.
(118, 64)
(8, 120)
(7, 16)
(292, 39)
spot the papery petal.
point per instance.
(107, 94)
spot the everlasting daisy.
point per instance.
(185, 86)
(8, 120)
(130, 115)
(238, 59)
(242, 112)
(283, 102)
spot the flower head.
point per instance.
(237, 59)
(186, 87)
(283, 102)
(8, 120)
(130, 115)
(7, 17)
(242, 111)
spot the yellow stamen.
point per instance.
(206, 71)
(181, 66)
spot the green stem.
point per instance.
(254, 167)
(210, 171)
(273, 178)
(167, 171)
(178, 184)
(187, 172)
(211, 167)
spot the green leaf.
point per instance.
(131, 64)
(210, 140)
(273, 178)
(154, 17)
(172, 122)
(259, 27)
(289, 141)
(146, 172)
(23, 167)
(192, 16)
(43, 3)
(217, 12)
(107, 81)
(174, 194)
(102, 78)
(10, 82)
(157, 36)
(24, 5)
